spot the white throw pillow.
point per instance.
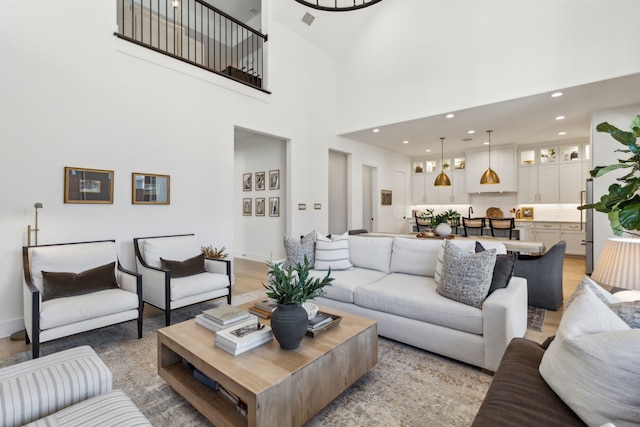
(373, 253)
(332, 253)
(592, 364)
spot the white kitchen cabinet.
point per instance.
(424, 192)
(502, 162)
(546, 232)
(571, 182)
(538, 183)
(574, 235)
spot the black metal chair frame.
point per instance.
(512, 225)
(465, 226)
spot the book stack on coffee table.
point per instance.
(224, 317)
(263, 308)
(243, 338)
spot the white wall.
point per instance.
(417, 58)
(603, 148)
(259, 238)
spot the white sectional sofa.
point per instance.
(392, 281)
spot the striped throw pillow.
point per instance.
(332, 253)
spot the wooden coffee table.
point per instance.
(280, 387)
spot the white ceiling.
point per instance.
(520, 121)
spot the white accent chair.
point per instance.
(167, 293)
(82, 309)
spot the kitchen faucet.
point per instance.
(470, 211)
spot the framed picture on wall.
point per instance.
(274, 206)
(385, 197)
(260, 181)
(527, 212)
(150, 189)
(246, 207)
(88, 185)
(274, 179)
(246, 182)
(260, 206)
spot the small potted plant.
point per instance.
(290, 287)
(440, 224)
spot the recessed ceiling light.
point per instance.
(486, 143)
(560, 118)
(556, 94)
(562, 133)
(428, 150)
(376, 130)
(449, 116)
(405, 142)
(471, 131)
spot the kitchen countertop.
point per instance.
(522, 246)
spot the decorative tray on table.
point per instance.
(335, 319)
(422, 235)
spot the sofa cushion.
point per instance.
(371, 252)
(174, 247)
(346, 281)
(185, 268)
(415, 297)
(64, 311)
(332, 253)
(414, 256)
(296, 249)
(466, 278)
(197, 284)
(61, 284)
(592, 363)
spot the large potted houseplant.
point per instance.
(289, 288)
(622, 204)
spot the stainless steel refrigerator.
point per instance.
(586, 220)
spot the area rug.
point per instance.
(535, 318)
(407, 387)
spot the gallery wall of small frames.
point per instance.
(260, 181)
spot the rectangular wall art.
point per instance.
(88, 185)
(150, 189)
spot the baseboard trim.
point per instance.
(8, 327)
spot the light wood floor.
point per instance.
(250, 275)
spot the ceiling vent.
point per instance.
(308, 18)
(467, 139)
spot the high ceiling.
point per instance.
(527, 120)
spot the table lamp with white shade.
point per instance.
(619, 267)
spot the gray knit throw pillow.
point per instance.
(466, 277)
(296, 249)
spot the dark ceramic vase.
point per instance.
(289, 324)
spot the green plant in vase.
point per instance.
(290, 287)
(622, 204)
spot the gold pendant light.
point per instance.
(490, 176)
(442, 180)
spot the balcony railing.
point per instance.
(196, 33)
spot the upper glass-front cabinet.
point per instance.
(570, 153)
(459, 163)
(418, 167)
(527, 157)
(548, 155)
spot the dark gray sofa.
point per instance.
(544, 276)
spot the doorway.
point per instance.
(338, 192)
(368, 198)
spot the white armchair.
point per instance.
(160, 289)
(76, 287)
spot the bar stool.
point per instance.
(473, 223)
(502, 224)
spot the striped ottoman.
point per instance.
(113, 409)
(36, 388)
